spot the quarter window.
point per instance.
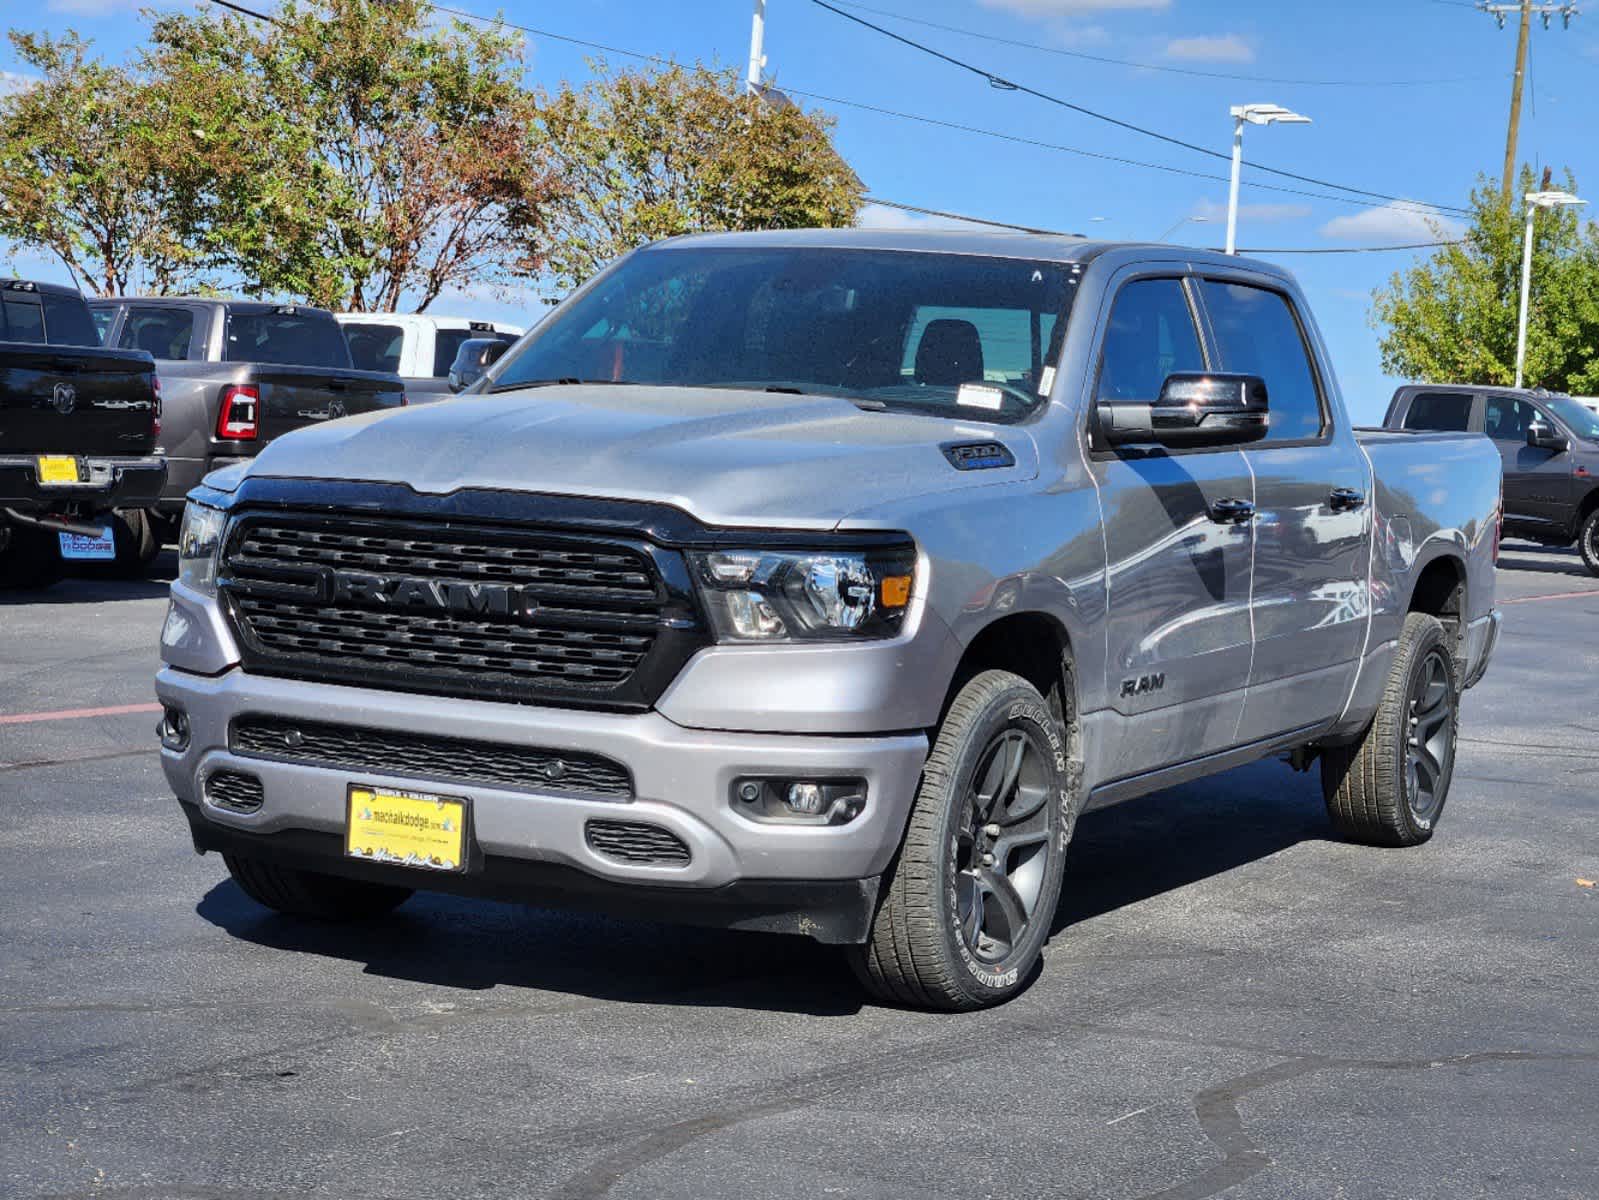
(1257, 333)
(1151, 336)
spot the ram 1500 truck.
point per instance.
(418, 347)
(818, 581)
(78, 431)
(1548, 445)
(237, 373)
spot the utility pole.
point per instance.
(1525, 9)
(752, 81)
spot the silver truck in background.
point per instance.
(234, 375)
(419, 347)
(817, 582)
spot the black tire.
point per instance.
(1588, 541)
(30, 557)
(1389, 788)
(309, 894)
(944, 935)
(136, 542)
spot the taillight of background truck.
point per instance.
(155, 412)
(1499, 520)
(240, 417)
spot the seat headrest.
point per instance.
(950, 354)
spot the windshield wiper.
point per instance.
(565, 381)
(860, 402)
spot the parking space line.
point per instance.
(74, 714)
(1552, 596)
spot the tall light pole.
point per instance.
(1253, 114)
(1535, 201)
(752, 81)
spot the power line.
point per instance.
(1147, 66)
(1402, 206)
(249, 12)
(1010, 85)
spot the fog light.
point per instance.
(173, 728)
(776, 800)
(804, 798)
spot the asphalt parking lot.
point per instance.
(1238, 1004)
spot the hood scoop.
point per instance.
(978, 456)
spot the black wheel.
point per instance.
(1389, 788)
(136, 542)
(309, 894)
(1588, 541)
(30, 557)
(967, 907)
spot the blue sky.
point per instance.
(1425, 141)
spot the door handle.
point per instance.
(1345, 500)
(1232, 511)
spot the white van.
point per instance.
(419, 347)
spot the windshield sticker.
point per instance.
(1046, 381)
(977, 395)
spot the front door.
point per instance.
(1312, 515)
(1178, 562)
(1537, 481)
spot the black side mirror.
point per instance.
(475, 356)
(1545, 436)
(1194, 409)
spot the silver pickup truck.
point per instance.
(817, 582)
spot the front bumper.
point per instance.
(682, 782)
(105, 483)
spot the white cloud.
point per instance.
(1213, 210)
(12, 82)
(880, 216)
(1073, 8)
(1215, 47)
(1394, 221)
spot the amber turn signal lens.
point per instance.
(896, 591)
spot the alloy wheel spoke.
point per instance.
(1011, 909)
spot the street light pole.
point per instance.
(1535, 201)
(752, 81)
(1254, 114)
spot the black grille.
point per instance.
(637, 842)
(423, 756)
(234, 791)
(452, 609)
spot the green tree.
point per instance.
(356, 152)
(656, 152)
(82, 174)
(1453, 317)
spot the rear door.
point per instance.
(1538, 482)
(1310, 598)
(1177, 627)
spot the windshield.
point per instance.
(943, 333)
(1578, 417)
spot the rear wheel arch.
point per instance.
(1440, 591)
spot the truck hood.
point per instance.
(728, 457)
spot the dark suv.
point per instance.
(1549, 445)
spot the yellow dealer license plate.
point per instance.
(57, 468)
(408, 829)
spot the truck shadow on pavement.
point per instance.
(1543, 560)
(89, 583)
(1119, 857)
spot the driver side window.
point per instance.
(1507, 418)
(1151, 335)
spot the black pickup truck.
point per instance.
(1548, 445)
(237, 373)
(78, 432)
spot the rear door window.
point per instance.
(67, 321)
(1447, 412)
(286, 337)
(162, 332)
(446, 343)
(1257, 333)
(375, 347)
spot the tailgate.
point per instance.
(293, 397)
(75, 400)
